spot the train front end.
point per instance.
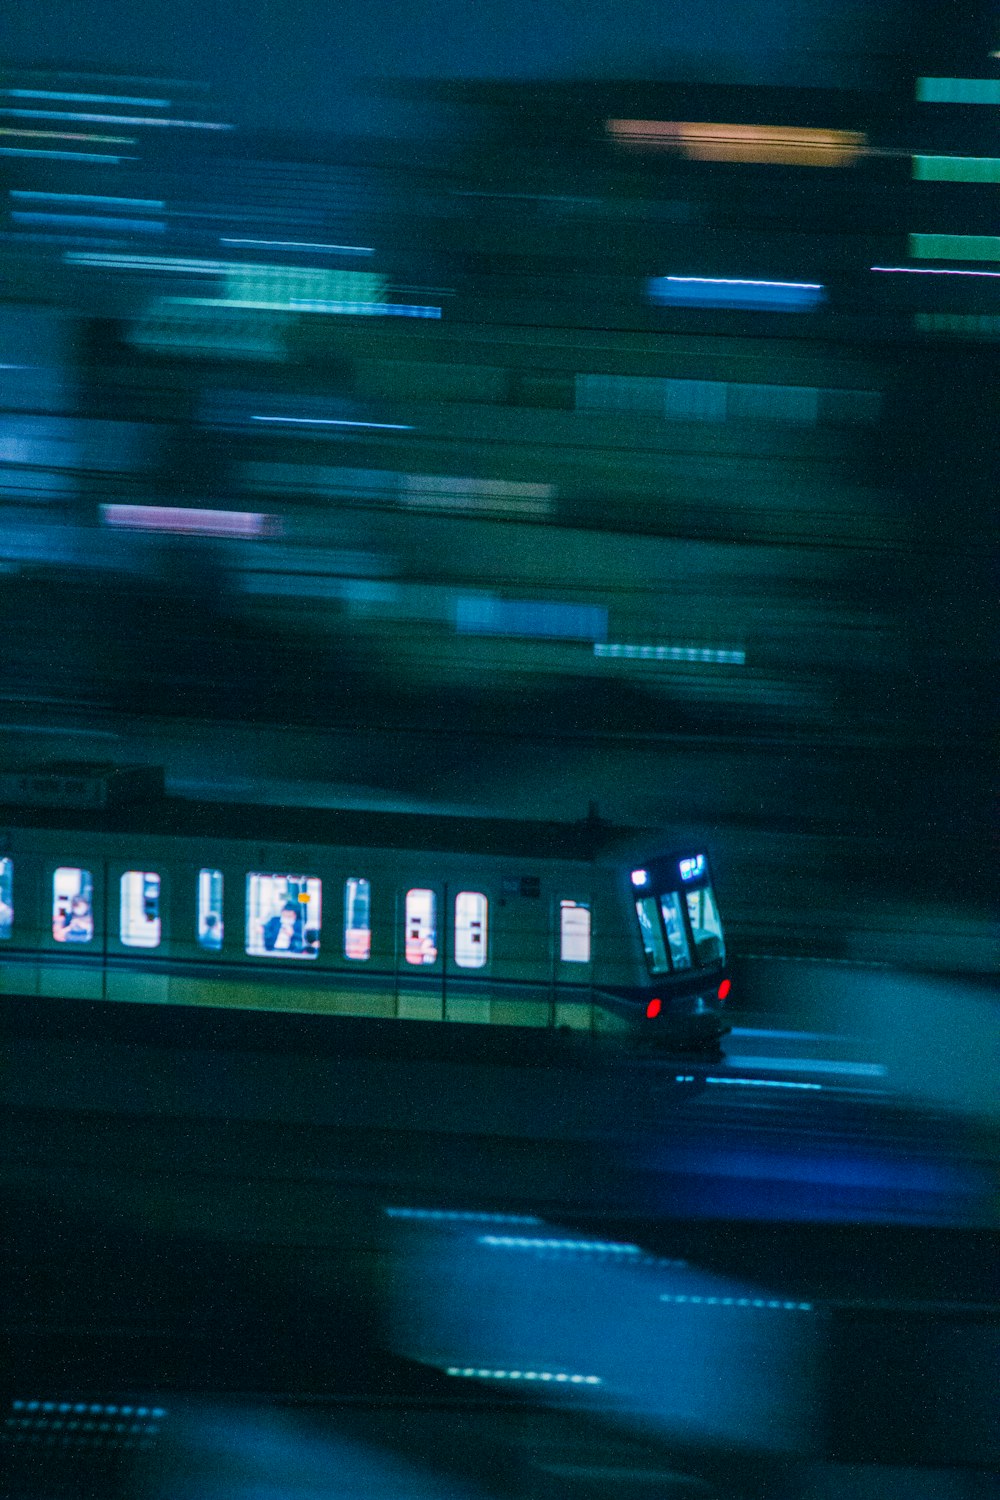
(676, 953)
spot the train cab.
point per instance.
(670, 909)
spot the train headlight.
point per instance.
(639, 877)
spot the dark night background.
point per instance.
(437, 418)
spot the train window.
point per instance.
(140, 909)
(680, 953)
(709, 947)
(574, 932)
(284, 915)
(652, 936)
(210, 924)
(6, 897)
(471, 911)
(357, 918)
(72, 905)
(421, 927)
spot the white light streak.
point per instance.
(931, 271)
(334, 422)
(302, 245)
(809, 286)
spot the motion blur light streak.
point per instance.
(459, 1216)
(956, 168)
(582, 1247)
(301, 245)
(86, 98)
(191, 522)
(66, 114)
(333, 422)
(782, 145)
(110, 161)
(931, 271)
(69, 135)
(762, 1083)
(91, 221)
(811, 1065)
(958, 90)
(558, 1378)
(704, 654)
(154, 204)
(758, 1303)
(722, 292)
(482, 614)
(955, 246)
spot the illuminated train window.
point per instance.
(574, 932)
(210, 924)
(652, 936)
(72, 905)
(140, 909)
(703, 913)
(357, 918)
(6, 897)
(284, 915)
(680, 953)
(471, 910)
(421, 927)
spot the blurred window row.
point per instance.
(284, 916)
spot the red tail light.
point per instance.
(653, 1008)
(724, 988)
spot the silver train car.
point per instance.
(111, 890)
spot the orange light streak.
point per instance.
(777, 145)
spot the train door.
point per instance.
(421, 923)
(468, 960)
(572, 960)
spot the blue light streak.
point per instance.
(812, 1065)
(760, 1303)
(763, 1083)
(91, 221)
(156, 204)
(86, 98)
(69, 114)
(460, 1216)
(586, 1247)
(111, 161)
(733, 292)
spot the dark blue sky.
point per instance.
(302, 63)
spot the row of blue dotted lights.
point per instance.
(83, 1422)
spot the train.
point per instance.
(113, 890)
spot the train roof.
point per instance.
(179, 817)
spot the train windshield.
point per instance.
(680, 929)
